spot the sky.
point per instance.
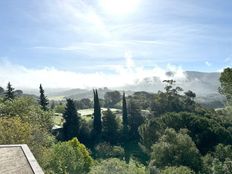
(96, 43)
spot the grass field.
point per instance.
(57, 98)
(86, 114)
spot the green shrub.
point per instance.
(176, 149)
(177, 170)
(105, 150)
(69, 157)
(116, 166)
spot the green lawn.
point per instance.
(57, 98)
(86, 114)
(57, 119)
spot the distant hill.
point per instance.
(200, 82)
(78, 94)
(205, 85)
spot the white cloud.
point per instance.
(129, 61)
(50, 77)
(77, 16)
(208, 64)
(220, 70)
(91, 32)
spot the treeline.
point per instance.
(110, 99)
(176, 135)
(162, 133)
(105, 129)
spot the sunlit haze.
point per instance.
(119, 7)
(98, 43)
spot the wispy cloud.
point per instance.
(93, 34)
(160, 32)
(77, 16)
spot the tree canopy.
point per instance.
(69, 157)
(112, 98)
(72, 121)
(226, 83)
(97, 120)
(157, 133)
(9, 93)
(175, 149)
(43, 101)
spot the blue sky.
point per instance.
(88, 36)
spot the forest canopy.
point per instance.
(166, 132)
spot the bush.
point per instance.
(69, 157)
(176, 149)
(28, 110)
(59, 109)
(16, 131)
(105, 150)
(116, 166)
(177, 170)
(219, 162)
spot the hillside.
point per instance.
(205, 85)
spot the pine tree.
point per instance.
(124, 113)
(9, 94)
(43, 101)
(97, 124)
(72, 121)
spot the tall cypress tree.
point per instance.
(125, 128)
(10, 93)
(43, 101)
(72, 121)
(124, 113)
(97, 124)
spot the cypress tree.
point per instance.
(124, 112)
(125, 128)
(43, 101)
(72, 121)
(97, 124)
(9, 94)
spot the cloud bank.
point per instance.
(51, 77)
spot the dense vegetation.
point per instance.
(162, 133)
